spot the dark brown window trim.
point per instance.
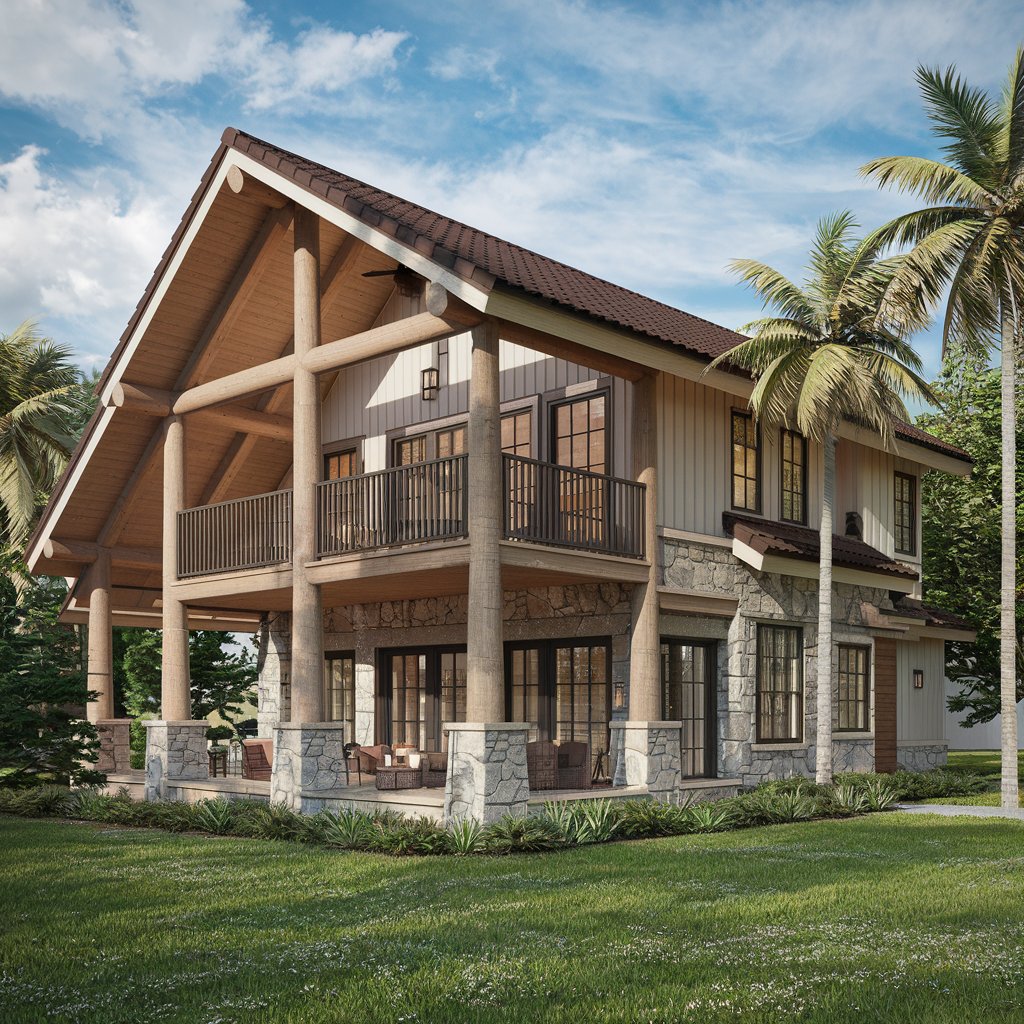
(799, 695)
(584, 394)
(912, 480)
(796, 435)
(758, 450)
(863, 707)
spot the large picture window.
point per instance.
(780, 684)
(793, 450)
(746, 463)
(853, 700)
(905, 519)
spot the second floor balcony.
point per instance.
(426, 502)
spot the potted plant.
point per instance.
(215, 734)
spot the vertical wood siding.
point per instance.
(885, 705)
(921, 713)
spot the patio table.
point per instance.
(399, 777)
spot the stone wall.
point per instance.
(274, 667)
(486, 772)
(114, 755)
(920, 757)
(649, 755)
(765, 598)
(308, 759)
(174, 750)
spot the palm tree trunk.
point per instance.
(1008, 574)
(823, 757)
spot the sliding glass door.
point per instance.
(419, 689)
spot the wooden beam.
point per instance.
(87, 552)
(561, 348)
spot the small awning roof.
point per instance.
(788, 540)
(911, 608)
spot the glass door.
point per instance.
(340, 684)
(688, 696)
(418, 691)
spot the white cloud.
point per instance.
(459, 62)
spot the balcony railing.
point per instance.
(427, 501)
(572, 508)
(242, 534)
(406, 505)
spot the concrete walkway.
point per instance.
(961, 810)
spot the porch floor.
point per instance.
(365, 796)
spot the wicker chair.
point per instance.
(542, 764)
(257, 759)
(574, 765)
(370, 757)
(435, 768)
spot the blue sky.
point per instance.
(648, 143)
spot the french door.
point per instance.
(688, 696)
(419, 689)
(562, 688)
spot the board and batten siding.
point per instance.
(920, 714)
(372, 400)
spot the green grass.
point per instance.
(889, 917)
(986, 763)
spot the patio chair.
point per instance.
(574, 765)
(257, 759)
(370, 757)
(542, 764)
(435, 768)
(351, 755)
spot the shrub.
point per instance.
(410, 836)
(466, 837)
(584, 822)
(845, 800)
(940, 782)
(880, 795)
(216, 816)
(268, 821)
(35, 801)
(709, 817)
(774, 807)
(347, 829)
(647, 819)
(523, 835)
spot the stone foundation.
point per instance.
(486, 771)
(115, 745)
(921, 757)
(649, 754)
(307, 759)
(174, 751)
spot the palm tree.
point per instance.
(39, 406)
(834, 351)
(969, 240)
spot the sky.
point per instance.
(647, 143)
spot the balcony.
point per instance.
(427, 502)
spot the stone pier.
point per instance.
(308, 758)
(651, 756)
(486, 771)
(174, 751)
(115, 745)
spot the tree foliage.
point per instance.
(961, 533)
(42, 688)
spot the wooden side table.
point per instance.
(218, 763)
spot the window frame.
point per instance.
(573, 398)
(799, 693)
(785, 432)
(861, 704)
(340, 655)
(912, 481)
(710, 684)
(349, 444)
(747, 415)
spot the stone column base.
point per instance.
(651, 756)
(308, 758)
(486, 771)
(174, 750)
(115, 753)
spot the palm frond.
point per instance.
(774, 289)
(932, 180)
(1013, 120)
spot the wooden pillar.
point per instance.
(175, 702)
(101, 655)
(645, 640)
(485, 657)
(307, 614)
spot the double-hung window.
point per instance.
(905, 514)
(793, 475)
(780, 684)
(853, 703)
(746, 463)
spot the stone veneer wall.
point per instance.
(584, 610)
(273, 666)
(174, 750)
(486, 773)
(920, 757)
(769, 597)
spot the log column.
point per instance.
(101, 658)
(175, 703)
(646, 749)
(487, 776)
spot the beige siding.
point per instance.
(920, 714)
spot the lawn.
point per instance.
(889, 917)
(984, 762)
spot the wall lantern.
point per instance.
(918, 678)
(619, 697)
(429, 384)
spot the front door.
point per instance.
(562, 688)
(688, 696)
(419, 689)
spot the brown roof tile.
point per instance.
(912, 608)
(770, 537)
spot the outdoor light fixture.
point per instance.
(619, 697)
(918, 678)
(429, 384)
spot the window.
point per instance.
(746, 463)
(410, 450)
(579, 432)
(341, 464)
(517, 433)
(451, 441)
(853, 704)
(688, 696)
(793, 449)
(780, 684)
(905, 519)
(340, 684)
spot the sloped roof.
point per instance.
(788, 540)
(912, 608)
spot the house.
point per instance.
(471, 497)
